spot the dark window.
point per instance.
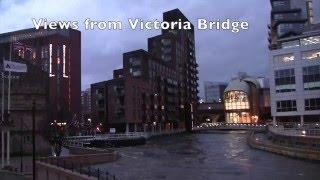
(287, 105)
(312, 104)
(311, 77)
(285, 77)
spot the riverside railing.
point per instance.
(79, 168)
(129, 135)
(296, 130)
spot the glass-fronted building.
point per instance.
(241, 101)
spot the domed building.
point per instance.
(242, 101)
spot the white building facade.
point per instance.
(295, 79)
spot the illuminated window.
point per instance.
(290, 44)
(283, 58)
(310, 40)
(311, 55)
(238, 117)
(236, 100)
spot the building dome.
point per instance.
(253, 81)
(238, 85)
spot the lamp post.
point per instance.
(33, 141)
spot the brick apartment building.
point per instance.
(56, 52)
(156, 89)
(53, 81)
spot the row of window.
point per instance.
(307, 55)
(302, 42)
(291, 105)
(288, 105)
(236, 100)
(312, 104)
(285, 79)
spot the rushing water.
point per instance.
(204, 157)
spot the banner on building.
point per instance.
(14, 66)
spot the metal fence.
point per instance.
(81, 169)
(295, 129)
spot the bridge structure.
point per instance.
(229, 126)
(114, 139)
(133, 138)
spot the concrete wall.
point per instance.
(51, 172)
(283, 150)
(85, 159)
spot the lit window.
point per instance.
(311, 55)
(290, 44)
(238, 117)
(284, 58)
(310, 40)
(236, 100)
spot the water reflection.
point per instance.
(206, 156)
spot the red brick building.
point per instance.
(56, 52)
(156, 89)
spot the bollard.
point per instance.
(114, 177)
(89, 172)
(98, 173)
(107, 175)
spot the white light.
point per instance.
(64, 61)
(50, 61)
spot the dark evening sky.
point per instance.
(220, 54)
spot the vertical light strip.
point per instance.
(50, 61)
(64, 61)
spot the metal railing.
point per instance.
(296, 130)
(128, 135)
(228, 125)
(79, 168)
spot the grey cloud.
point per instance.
(220, 54)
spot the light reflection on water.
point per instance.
(206, 156)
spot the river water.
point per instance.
(204, 157)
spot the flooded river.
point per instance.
(205, 157)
